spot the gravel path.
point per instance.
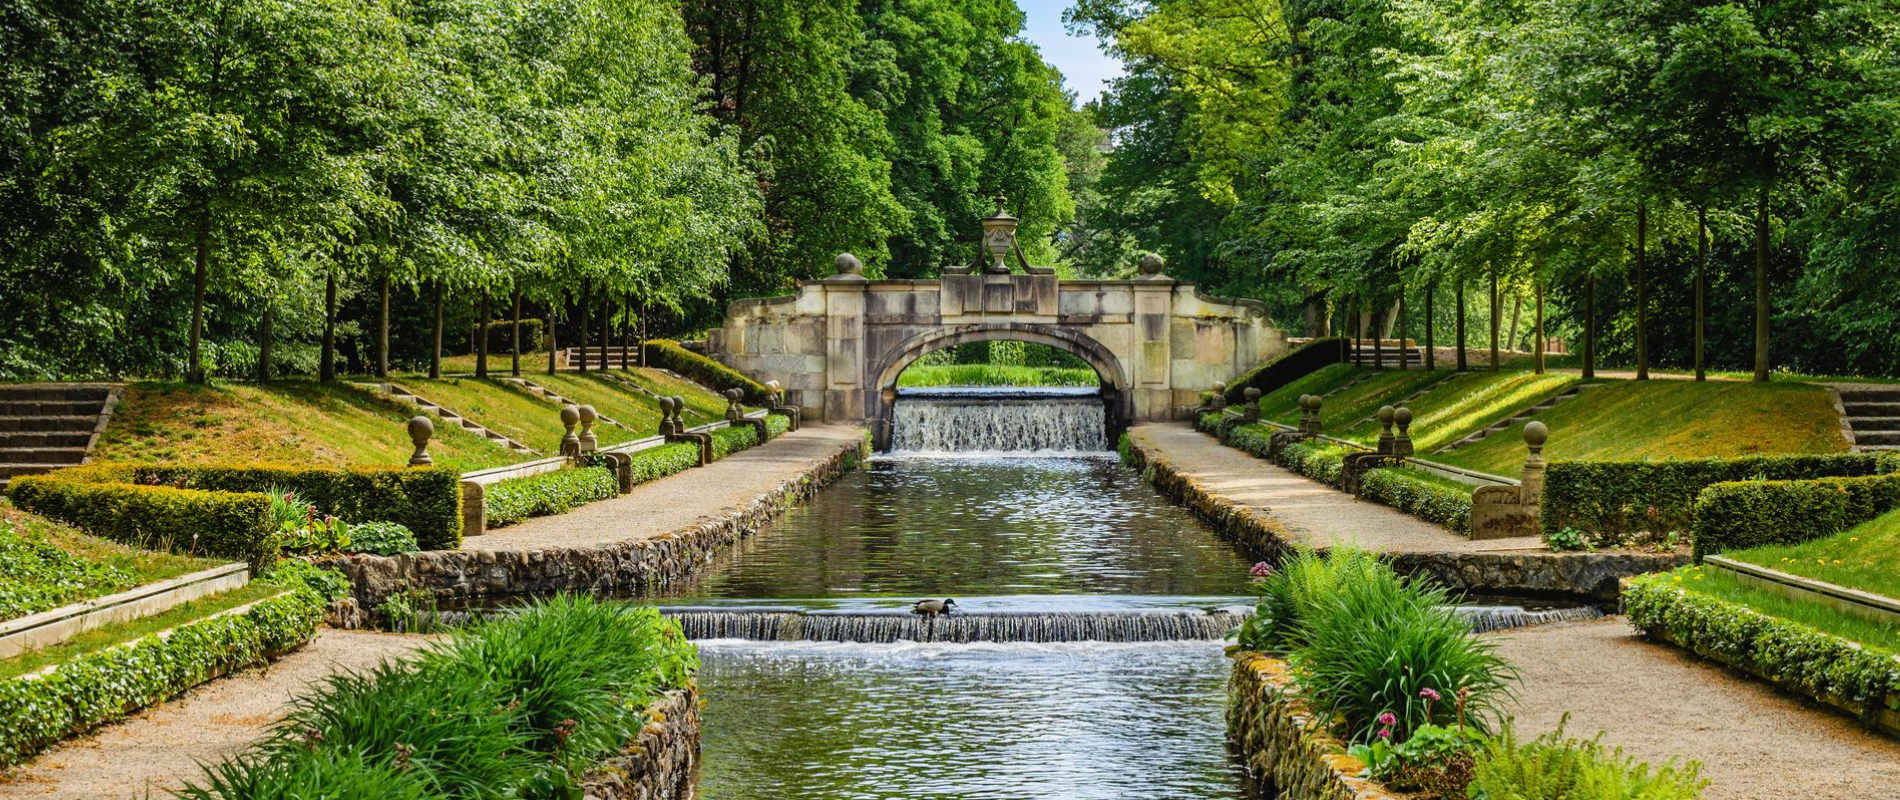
(159, 748)
(678, 501)
(1657, 701)
(1317, 513)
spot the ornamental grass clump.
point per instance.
(520, 706)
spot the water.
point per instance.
(1019, 619)
(969, 419)
(946, 527)
(970, 722)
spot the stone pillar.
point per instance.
(1218, 402)
(588, 442)
(421, 428)
(778, 406)
(1402, 443)
(844, 332)
(1386, 440)
(1151, 373)
(474, 509)
(1532, 485)
(1251, 412)
(1310, 425)
(570, 443)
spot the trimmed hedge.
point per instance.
(1785, 652)
(501, 336)
(197, 522)
(1613, 498)
(776, 425)
(107, 685)
(1741, 515)
(1317, 460)
(558, 492)
(727, 441)
(667, 459)
(668, 354)
(1421, 497)
(1289, 367)
(427, 501)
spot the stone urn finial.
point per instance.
(589, 442)
(1252, 410)
(1402, 443)
(421, 429)
(999, 237)
(772, 390)
(849, 268)
(735, 409)
(1387, 442)
(1149, 267)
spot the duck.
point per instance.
(934, 608)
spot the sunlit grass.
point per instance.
(1283, 404)
(1719, 583)
(1863, 557)
(1470, 402)
(121, 632)
(500, 407)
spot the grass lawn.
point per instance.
(1468, 403)
(287, 421)
(626, 406)
(1720, 584)
(1283, 404)
(121, 632)
(1346, 409)
(1671, 419)
(1861, 558)
(703, 405)
(500, 407)
(139, 566)
(995, 375)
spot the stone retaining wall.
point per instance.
(662, 762)
(637, 565)
(1593, 576)
(1286, 745)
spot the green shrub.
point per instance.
(1255, 440)
(520, 706)
(426, 500)
(1809, 660)
(667, 459)
(1552, 767)
(1428, 499)
(776, 425)
(102, 501)
(36, 576)
(1318, 460)
(727, 441)
(381, 538)
(669, 354)
(1616, 499)
(558, 492)
(37, 710)
(501, 336)
(1738, 516)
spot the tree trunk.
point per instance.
(1431, 321)
(1405, 354)
(606, 320)
(1539, 366)
(264, 341)
(200, 274)
(1642, 292)
(580, 325)
(481, 343)
(1378, 339)
(1701, 282)
(1590, 327)
(646, 313)
(548, 331)
(326, 366)
(382, 330)
(514, 361)
(1461, 326)
(626, 333)
(435, 349)
(1314, 312)
(1761, 287)
(1517, 311)
(1497, 319)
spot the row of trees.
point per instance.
(1585, 152)
(241, 185)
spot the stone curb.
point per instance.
(1285, 743)
(662, 761)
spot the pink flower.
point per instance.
(1261, 570)
(1385, 733)
(1428, 693)
(1388, 719)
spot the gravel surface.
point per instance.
(678, 501)
(1658, 702)
(158, 749)
(1318, 513)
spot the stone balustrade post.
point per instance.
(1386, 440)
(421, 429)
(588, 441)
(1532, 484)
(1218, 402)
(1252, 412)
(570, 443)
(1402, 443)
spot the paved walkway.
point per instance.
(1657, 701)
(678, 501)
(1313, 511)
(155, 751)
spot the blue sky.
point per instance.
(1084, 67)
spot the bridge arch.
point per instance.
(886, 368)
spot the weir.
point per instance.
(968, 419)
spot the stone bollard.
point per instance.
(570, 443)
(667, 409)
(588, 441)
(1532, 485)
(1386, 441)
(1402, 443)
(735, 410)
(421, 428)
(1310, 425)
(673, 427)
(1218, 402)
(1252, 412)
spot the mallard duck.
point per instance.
(934, 608)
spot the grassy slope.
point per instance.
(1283, 404)
(120, 632)
(1672, 419)
(1343, 411)
(633, 409)
(500, 407)
(1814, 615)
(290, 421)
(1467, 403)
(702, 404)
(1861, 558)
(144, 566)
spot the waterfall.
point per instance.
(1006, 420)
(879, 627)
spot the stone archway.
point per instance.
(1116, 400)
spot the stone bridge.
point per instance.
(838, 346)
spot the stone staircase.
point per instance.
(547, 394)
(1388, 357)
(1519, 417)
(1872, 414)
(570, 357)
(44, 427)
(449, 416)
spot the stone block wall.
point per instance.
(662, 761)
(1285, 744)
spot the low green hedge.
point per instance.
(1255, 440)
(776, 425)
(667, 459)
(104, 686)
(558, 492)
(427, 501)
(669, 354)
(727, 441)
(1741, 515)
(1419, 496)
(1615, 498)
(1789, 653)
(1318, 460)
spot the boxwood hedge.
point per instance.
(669, 354)
(1740, 515)
(1419, 496)
(514, 500)
(1614, 498)
(667, 459)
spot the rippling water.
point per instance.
(1090, 721)
(918, 527)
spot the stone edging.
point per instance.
(1284, 743)
(662, 762)
(635, 565)
(1594, 576)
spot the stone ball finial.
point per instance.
(1252, 394)
(772, 388)
(570, 416)
(667, 405)
(1403, 417)
(1150, 264)
(1220, 387)
(587, 414)
(1306, 402)
(1535, 434)
(849, 264)
(1386, 413)
(734, 394)
(421, 428)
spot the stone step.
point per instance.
(50, 408)
(59, 456)
(34, 439)
(9, 470)
(75, 424)
(1866, 409)
(57, 393)
(1877, 438)
(1874, 423)
(1870, 395)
